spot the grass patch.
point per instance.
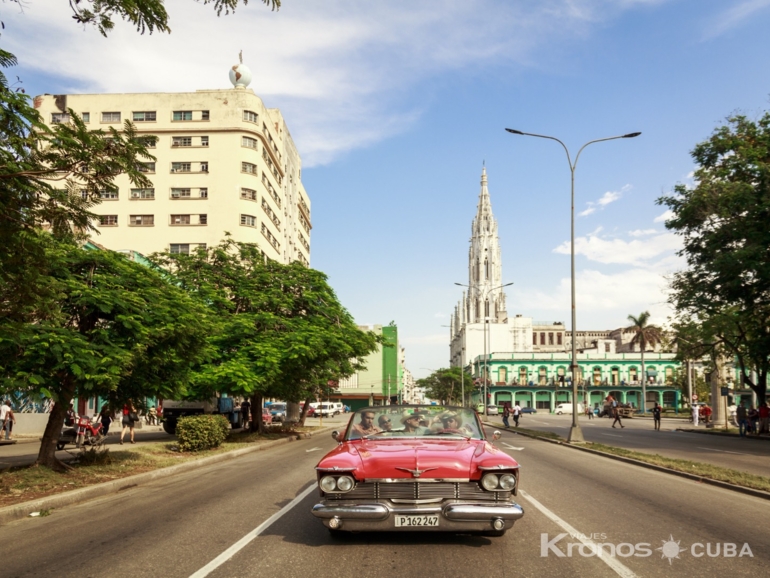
(96, 466)
(538, 434)
(697, 468)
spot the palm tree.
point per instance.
(645, 334)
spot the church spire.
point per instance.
(485, 298)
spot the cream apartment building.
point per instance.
(225, 163)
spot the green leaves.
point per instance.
(446, 385)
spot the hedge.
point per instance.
(201, 432)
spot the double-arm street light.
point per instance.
(575, 433)
(486, 317)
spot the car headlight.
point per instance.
(489, 482)
(328, 484)
(345, 483)
(507, 482)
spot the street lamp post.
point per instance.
(575, 433)
(486, 318)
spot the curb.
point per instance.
(724, 485)
(721, 432)
(22, 510)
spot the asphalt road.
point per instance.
(748, 455)
(177, 526)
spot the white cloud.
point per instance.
(604, 200)
(617, 251)
(642, 232)
(733, 17)
(339, 69)
(664, 217)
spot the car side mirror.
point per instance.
(496, 436)
(335, 435)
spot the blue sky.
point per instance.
(395, 107)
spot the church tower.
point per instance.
(485, 298)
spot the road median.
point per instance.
(60, 493)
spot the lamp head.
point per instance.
(514, 131)
(631, 135)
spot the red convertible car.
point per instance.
(425, 468)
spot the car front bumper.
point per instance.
(454, 515)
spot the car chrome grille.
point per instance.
(420, 491)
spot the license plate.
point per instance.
(416, 521)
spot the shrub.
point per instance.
(201, 432)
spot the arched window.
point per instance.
(632, 374)
(522, 376)
(486, 269)
(542, 376)
(597, 376)
(669, 375)
(486, 308)
(502, 375)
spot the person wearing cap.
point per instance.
(411, 422)
(385, 423)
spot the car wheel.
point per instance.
(558, 413)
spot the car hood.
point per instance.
(416, 458)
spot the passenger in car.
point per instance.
(385, 423)
(411, 421)
(366, 426)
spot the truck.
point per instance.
(173, 410)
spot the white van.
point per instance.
(339, 407)
(567, 408)
(326, 410)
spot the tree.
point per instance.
(644, 335)
(445, 385)
(118, 329)
(722, 221)
(145, 15)
(279, 331)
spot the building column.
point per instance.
(552, 395)
(676, 401)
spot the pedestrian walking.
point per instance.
(105, 417)
(245, 410)
(742, 416)
(152, 416)
(506, 414)
(7, 419)
(764, 419)
(695, 415)
(616, 415)
(656, 416)
(516, 414)
(130, 417)
(589, 411)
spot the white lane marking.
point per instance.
(243, 542)
(512, 447)
(619, 568)
(613, 435)
(313, 450)
(724, 451)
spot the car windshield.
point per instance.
(419, 421)
(278, 406)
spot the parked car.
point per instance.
(432, 468)
(278, 411)
(326, 410)
(528, 410)
(567, 408)
(310, 409)
(267, 417)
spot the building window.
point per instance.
(542, 339)
(542, 378)
(181, 193)
(250, 168)
(179, 248)
(146, 167)
(141, 220)
(180, 219)
(249, 116)
(534, 338)
(108, 220)
(204, 141)
(142, 193)
(59, 117)
(248, 220)
(204, 167)
(204, 115)
(111, 195)
(550, 339)
(249, 194)
(502, 375)
(203, 193)
(86, 116)
(558, 339)
(110, 117)
(144, 116)
(181, 141)
(606, 348)
(182, 115)
(149, 141)
(203, 219)
(249, 142)
(181, 167)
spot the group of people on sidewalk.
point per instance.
(753, 420)
(129, 417)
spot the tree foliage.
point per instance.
(279, 330)
(446, 384)
(118, 329)
(723, 222)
